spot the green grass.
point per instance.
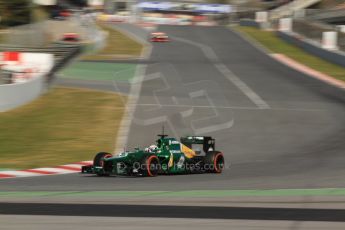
(64, 126)
(117, 46)
(3, 35)
(101, 71)
(269, 40)
(39, 14)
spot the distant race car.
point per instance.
(159, 37)
(192, 154)
(70, 37)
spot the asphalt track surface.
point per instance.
(161, 211)
(276, 127)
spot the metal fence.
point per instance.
(62, 54)
(30, 35)
(5, 77)
(332, 15)
(313, 30)
(314, 49)
(41, 34)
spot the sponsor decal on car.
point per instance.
(189, 153)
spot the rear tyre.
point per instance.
(99, 161)
(214, 162)
(150, 166)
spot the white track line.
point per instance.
(227, 107)
(212, 56)
(123, 132)
(122, 135)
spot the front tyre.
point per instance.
(150, 166)
(214, 162)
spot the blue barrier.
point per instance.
(250, 23)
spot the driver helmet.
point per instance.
(152, 148)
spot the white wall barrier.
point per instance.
(261, 16)
(27, 73)
(44, 62)
(341, 28)
(15, 95)
(285, 24)
(45, 2)
(330, 40)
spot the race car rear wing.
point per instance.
(208, 142)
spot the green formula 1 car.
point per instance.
(192, 154)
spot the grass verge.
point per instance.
(269, 40)
(3, 35)
(101, 71)
(117, 45)
(64, 126)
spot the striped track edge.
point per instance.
(307, 70)
(61, 169)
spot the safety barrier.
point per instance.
(62, 53)
(250, 23)
(15, 95)
(33, 71)
(314, 30)
(313, 48)
(26, 72)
